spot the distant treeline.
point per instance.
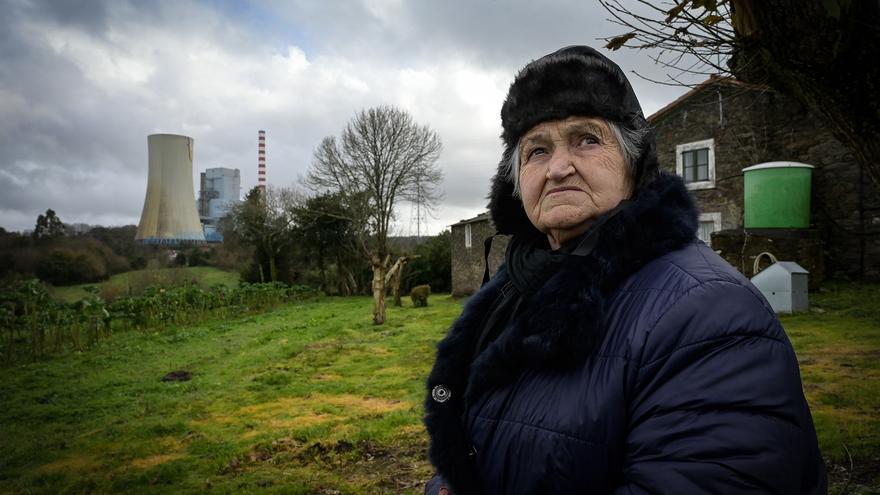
(72, 259)
(315, 250)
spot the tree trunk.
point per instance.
(396, 287)
(379, 268)
(322, 269)
(353, 286)
(273, 270)
(395, 274)
(395, 282)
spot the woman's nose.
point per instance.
(560, 166)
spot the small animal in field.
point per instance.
(419, 295)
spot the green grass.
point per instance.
(312, 398)
(838, 347)
(303, 398)
(134, 282)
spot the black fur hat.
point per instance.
(572, 81)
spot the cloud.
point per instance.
(81, 88)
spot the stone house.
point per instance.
(710, 134)
(468, 253)
(722, 126)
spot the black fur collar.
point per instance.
(661, 219)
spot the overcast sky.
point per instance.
(82, 84)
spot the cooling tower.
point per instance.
(170, 215)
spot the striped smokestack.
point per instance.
(261, 162)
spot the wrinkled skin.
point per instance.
(571, 172)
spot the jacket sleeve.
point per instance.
(717, 404)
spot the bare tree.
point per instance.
(382, 157)
(821, 53)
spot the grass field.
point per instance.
(838, 347)
(134, 282)
(312, 398)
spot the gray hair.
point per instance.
(629, 142)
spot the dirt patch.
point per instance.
(328, 377)
(178, 376)
(393, 467)
(860, 476)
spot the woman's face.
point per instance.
(571, 171)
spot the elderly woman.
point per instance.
(613, 352)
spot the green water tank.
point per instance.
(777, 195)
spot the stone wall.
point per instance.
(467, 263)
(740, 248)
(751, 126)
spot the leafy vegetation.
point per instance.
(33, 324)
(328, 243)
(58, 255)
(433, 266)
(263, 224)
(312, 398)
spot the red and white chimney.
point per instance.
(261, 162)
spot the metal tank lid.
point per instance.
(761, 166)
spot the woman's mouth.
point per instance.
(562, 189)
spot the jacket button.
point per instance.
(440, 393)
(472, 453)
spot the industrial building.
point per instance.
(219, 190)
(169, 215)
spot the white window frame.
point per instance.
(679, 164)
(714, 217)
(467, 236)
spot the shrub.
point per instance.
(433, 266)
(63, 267)
(419, 295)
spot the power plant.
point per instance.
(219, 191)
(170, 215)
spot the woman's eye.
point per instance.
(535, 152)
(588, 140)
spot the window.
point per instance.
(467, 235)
(709, 222)
(695, 162)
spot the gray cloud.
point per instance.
(83, 83)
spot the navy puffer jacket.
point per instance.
(648, 366)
